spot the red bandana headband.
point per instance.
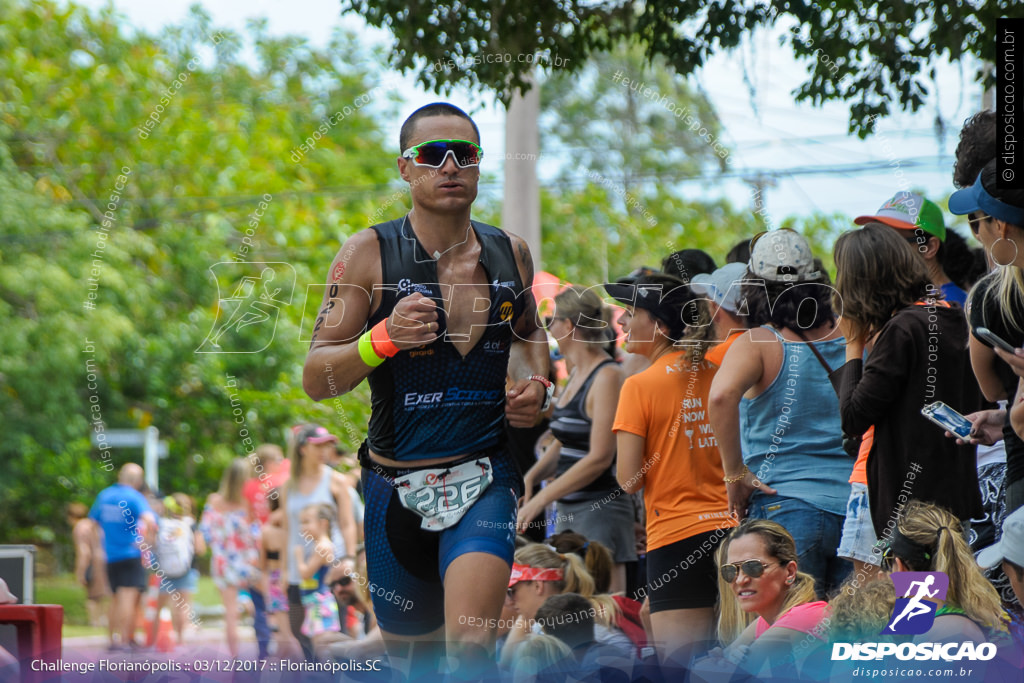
(522, 572)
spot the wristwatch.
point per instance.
(549, 390)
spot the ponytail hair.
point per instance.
(575, 577)
(780, 546)
(596, 556)
(931, 526)
(590, 316)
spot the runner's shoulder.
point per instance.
(357, 260)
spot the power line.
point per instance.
(858, 168)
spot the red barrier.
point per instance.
(39, 634)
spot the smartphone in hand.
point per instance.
(947, 418)
(989, 336)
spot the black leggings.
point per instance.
(296, 615)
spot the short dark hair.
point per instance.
(427, 110)
(781, 303)
(976, 148)
(568, 617)
(686, 263)
(960, 261)
(740, 252)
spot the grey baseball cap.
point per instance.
(721, 286)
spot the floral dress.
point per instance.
(321, 614)
(234, 544)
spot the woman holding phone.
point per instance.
(919, 356)
(996, 303)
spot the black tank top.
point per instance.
(571, 426)
(431, 402)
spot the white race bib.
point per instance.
(442, 495)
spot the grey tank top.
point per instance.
(321, 495)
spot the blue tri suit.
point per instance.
(432, 402)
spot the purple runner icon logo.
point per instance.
(917, 598)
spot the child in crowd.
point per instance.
(273, 542)
(320, 606)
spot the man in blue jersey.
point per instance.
(435, 310)
(127, 521)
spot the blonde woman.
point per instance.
(538, 573)
(930, 539)
(581, 457)
(540, 658)
(234, 544)
(996, 216)
(768, 606)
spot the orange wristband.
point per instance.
(381, 340)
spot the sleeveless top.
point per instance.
(571, 426)
(432, 402)
(314, 584)
(295, 505)
(791, 435)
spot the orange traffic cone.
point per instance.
(164, 640)
(149, 614)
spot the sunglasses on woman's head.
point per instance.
(752, 568)
(433, 153)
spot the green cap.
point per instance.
(907, 211)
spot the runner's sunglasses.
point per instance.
(433, 153)
(752, 568)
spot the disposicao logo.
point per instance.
(914, 612)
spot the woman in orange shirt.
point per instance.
(666, 446)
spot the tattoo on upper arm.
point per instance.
(524, 256)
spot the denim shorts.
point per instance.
(858, 532)
(188, 583)
(816, 533)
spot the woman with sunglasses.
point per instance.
(996, 217)
(928, 538)
(538, 573)
(582, 455)
(918, 356)
(768, 606)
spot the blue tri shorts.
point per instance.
(407, 564)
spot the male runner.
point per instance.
(435, 311)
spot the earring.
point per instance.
(789, 580)
(1002, 258)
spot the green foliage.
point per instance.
(638, 120)
(874, 56)
(63, 589)
(609, 211)
(218, 174)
